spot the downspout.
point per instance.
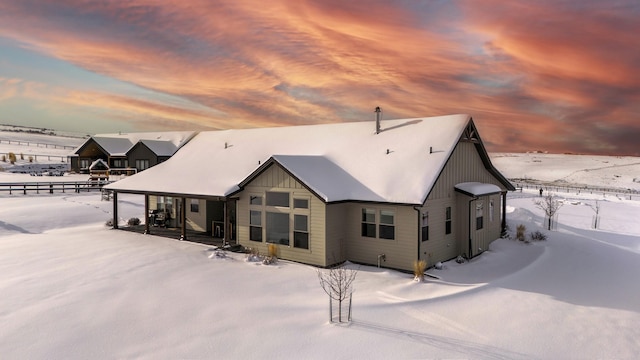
(504, 213)
(115, 209)
(470, 240)
(418, 210)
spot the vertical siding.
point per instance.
(400, 252)
(464, 165)
(336, 223)
(276, 179)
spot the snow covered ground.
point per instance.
(72, 288)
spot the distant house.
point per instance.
(419, 188)
(137, 151)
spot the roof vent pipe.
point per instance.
(378, 112)
(430, 149)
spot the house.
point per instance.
(122, 151)
(420, 188)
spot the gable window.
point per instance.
(277, 226)
(195, 205)
(479, 218)
(387, 227)
(425, 226)
(280, 199)
(255, 200)
(255, 225)
(142, 164)
(369, 223)
(300, 203)
(447, 221)
(301, 231)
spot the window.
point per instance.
(255, 200)
(369, 223)
(447, 221)
(255, 225)
(491, 210)
(277, 227)
(479, 219)
(425, 225)
(195, 205)
(387, 228)
(300, 203)
(301, 231)
(85, 163)
(142, 164)
(277, 199)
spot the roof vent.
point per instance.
(378, 112)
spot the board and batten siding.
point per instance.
(400, 253)
(274, 178)
(336, 223)
(464, 165)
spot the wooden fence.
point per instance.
(629, 194)
(51, 187)
(37, 144)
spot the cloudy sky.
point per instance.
(554, 75)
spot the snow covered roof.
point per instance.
(162, 143)
(160, 147)
(342, 161)
(99, 165)
(477, 188)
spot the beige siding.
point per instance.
(276, 179)
(336, 223)
(464, 165)
(400, 252)
(441, 246)
(197, 221)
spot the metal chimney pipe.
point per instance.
(378, 112)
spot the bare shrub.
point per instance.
(520, 232)
(133, 221)
(109, 223)
(12, 158)
(538, 236)
(419, 266)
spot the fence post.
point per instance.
(50, 188)
(25, 189)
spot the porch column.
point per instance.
(504, 213)
(226, 223)
(146, 214)
(115, 209)
(183, 218)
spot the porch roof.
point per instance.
(477, 188)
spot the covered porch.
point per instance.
(209, 220)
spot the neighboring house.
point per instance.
(421, 188)
(128, 151)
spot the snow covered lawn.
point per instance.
(73, 289)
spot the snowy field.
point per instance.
(74, 289)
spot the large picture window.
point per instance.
(425, 226)
(277, 225)
(447, 221)
(301, 231)
(369, 223)
(280, 199)
(142, 164)
(387, 226)
(255, 225)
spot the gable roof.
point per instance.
(343, 161)
(161, 143)
(158, 147)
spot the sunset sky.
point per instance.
(552, 75)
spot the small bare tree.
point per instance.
(550, 205)
(596, 209)
(337, 282)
